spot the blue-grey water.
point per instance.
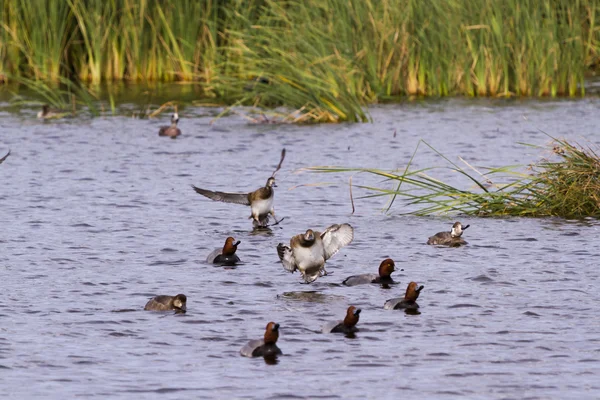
(98, 216)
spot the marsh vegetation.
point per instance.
(565, 184)
(327, 58)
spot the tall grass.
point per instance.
(329, 57)
(566, 186)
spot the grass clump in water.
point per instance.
(568, 187)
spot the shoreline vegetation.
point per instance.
(567, 186)
(328, 58)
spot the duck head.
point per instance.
(230, 246)
(309, 237)
(271, 182)
(386, 268)
(271, 333)
(175, 118)
(412, 291)
(457, 229)
(180, 301)
(352, 316)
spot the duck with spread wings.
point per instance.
(309, 251)
(260, 200)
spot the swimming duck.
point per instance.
(260, 200)
(386, 268)
(266, 347)
(309, 251)
(5, 157)
(348, 325)
(452, 238)
(48, 113)
(226, 255)
(409, 301)
(172, 131)
(167, 303)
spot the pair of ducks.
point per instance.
(267, 346)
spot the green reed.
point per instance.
(329, 58)
(566, 186)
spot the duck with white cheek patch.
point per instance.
(452, 238)
(171, 131)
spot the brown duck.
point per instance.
(409, 301)
(225, 255)
(171, 131)
(386, 268)
(348, 325)
(167, 303)
(266, 347)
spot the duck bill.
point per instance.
(238, 242)
(465, 227)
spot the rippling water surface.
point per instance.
(98, 216)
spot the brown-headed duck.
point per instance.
(266, 347)
(226, 255)
(348, 325)
(452, 238)
(167, 303)
(409, 301)
(386, 268)
(171, 131)
(309, 251)
(260, 200)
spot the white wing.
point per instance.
(287, 258)
(335, 237)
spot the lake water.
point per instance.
(98, 216)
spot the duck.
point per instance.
(171, 131)
(48, 113)
(5, 157)
(260, 201)
(309, 251)
(167, 303)
(408, 302)
(348, 325)
(225, 255)
(386, 268)
(452, 238)
(266, 347)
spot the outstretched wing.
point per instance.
(4, 158)
(237, 198)
(286, 257)
(335, 237)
